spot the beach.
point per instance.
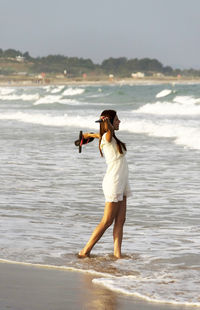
(51, 195)
(151, 80)
(36, 288)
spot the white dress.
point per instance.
(115, 182)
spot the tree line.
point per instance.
(74, 66)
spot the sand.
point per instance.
(20, 82)
(35, 288)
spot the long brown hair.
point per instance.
(111, 115)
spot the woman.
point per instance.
(115, 184)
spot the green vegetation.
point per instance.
(11, 53)
(16, 62)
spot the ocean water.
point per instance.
(51, 197)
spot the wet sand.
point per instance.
(35, 288)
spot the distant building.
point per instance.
(111, 77)
(158, 74)
(40, 77)
(138, 75)
(20, 58)
(22, 73)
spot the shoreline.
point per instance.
(33, 287)
(73, 82)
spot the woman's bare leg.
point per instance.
(110, 213)
(118, 228)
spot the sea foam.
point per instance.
(47, 100)
(57, 89)
(157, 290)
(189, 107)
(164, 93)
(187, 136)
(23, 97)
(73, 91)
(6, 90)
(50, 120)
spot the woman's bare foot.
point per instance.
(82, 254)
(117, 256)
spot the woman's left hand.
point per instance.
(86, 135)
(108, 125)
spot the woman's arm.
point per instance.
(87, 135)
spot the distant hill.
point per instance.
(15, 62)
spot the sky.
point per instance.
(168, 30)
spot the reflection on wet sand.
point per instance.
(97, 297)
